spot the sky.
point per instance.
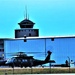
(52, 17)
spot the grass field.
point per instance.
(36, 70)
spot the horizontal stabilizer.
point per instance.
(51, 61)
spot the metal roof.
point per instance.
(41, 37)
(26, 21)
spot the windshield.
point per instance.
(10, 60)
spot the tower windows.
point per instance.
(18, 30)
(29, 34)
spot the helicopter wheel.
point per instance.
(25, 66)
(21, 66)
(12, 66)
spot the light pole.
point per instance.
(69, 63)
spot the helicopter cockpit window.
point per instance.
(10, 60)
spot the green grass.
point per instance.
(37, 71)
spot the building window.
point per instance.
(52, 39)
(29, 34)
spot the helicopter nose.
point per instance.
(6, 63)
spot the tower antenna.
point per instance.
(24, 14)
(28, 16)
(26, 11)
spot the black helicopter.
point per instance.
(22, 60)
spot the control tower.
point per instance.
(26, 29)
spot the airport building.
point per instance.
(27, 40)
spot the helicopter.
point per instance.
(22, 60)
